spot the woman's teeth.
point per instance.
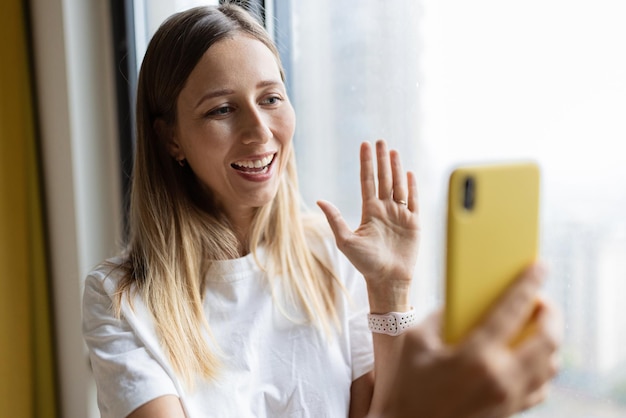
(254, 164)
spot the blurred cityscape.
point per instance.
(587, 259)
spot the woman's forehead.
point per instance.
(236, 59)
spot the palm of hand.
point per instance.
(384, 246)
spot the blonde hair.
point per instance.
(176, 230)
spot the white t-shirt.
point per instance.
(271, 366)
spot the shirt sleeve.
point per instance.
(127, 375)
(357, 308)
(361, 345)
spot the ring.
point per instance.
(401, 202)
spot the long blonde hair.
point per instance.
(176, 229)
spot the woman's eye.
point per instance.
(272, 100)
(220, 111)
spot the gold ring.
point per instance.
(401, 202)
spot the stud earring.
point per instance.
(181, 162)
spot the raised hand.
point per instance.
(384, 247)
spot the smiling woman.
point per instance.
(217, 246)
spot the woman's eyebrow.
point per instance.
(266, 83)
(214, 93)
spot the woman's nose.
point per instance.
(255, 127)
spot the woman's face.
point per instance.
(235, 124)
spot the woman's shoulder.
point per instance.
(107, 274)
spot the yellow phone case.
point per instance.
(493, 229)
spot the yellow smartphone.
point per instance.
(492, 236)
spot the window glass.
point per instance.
(149, 14)
(449, 82)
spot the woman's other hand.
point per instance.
(384, 246)
(484, 376)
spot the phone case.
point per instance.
(492, 236)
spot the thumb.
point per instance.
(335, 220)
(513, 309)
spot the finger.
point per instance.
(398, 177)
(338, 225)
(548, 322)
(538, 370)
(385, 180)
(412, 186)
(368, 184)
(538, 353)
(536, 397)
(539, 367)
(512, 310)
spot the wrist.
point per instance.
(389, 297)
(392, 323)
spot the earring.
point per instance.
(181, 162)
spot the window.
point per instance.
(149, 14)
(451, 81)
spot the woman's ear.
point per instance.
(166, 134)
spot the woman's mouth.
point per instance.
(255, 166)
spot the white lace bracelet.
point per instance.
(392, 323)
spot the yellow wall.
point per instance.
(26, 356)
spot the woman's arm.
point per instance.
(167, 406)
(361, 395)
(384, 250)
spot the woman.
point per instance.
(229, 302)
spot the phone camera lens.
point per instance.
(469, 193)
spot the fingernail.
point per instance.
(540, 271)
